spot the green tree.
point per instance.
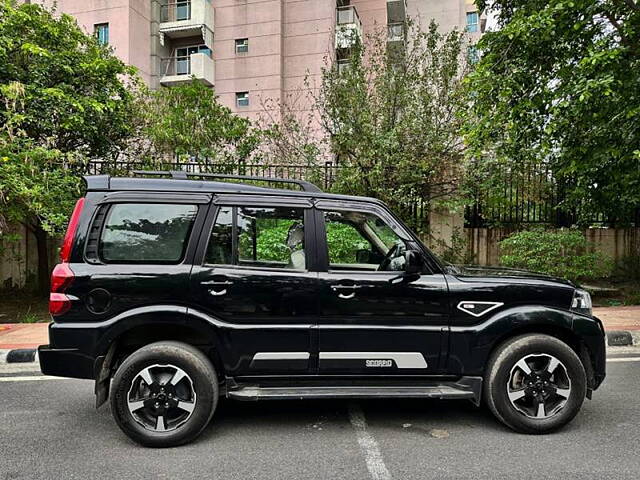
(188, 122)
(392, 116)
(558, 89)
(64, 98)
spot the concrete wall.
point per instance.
(19, 260)
(615, 243)
(448, 14)
(129, 26)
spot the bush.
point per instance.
(562, 253)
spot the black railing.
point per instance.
(527, 200)
(535, 197)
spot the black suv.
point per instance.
(173, 292)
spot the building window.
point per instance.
(472, 22)
(472, 54)
(242, 45)
(242, 99)
(101, 31)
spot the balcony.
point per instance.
(179, 19)
(179, 70)
(396, 11)
(348, 27)
(395, 32)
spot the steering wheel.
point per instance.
(391, 254)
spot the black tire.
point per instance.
(498, 375)
(202, 377)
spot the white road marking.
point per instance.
(624, 359)
(368, 445)
(30, 378)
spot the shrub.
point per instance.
(562, 253)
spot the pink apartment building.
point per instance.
(255, 53)
(250, 51)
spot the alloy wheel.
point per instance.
(539, 386)
(161, 397)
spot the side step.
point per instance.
(466, 388)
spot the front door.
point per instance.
(371, 322)
(255, 282)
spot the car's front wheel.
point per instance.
(164, 394)
(535, 383)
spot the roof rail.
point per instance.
(182, 175)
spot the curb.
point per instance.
(20, 355)
(622, 338)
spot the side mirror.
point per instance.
(413, 262)
(413, 267)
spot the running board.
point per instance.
(466, 388)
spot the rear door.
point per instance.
(370, 324)
(256, 280)
(138, 252)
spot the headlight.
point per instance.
(581, 302)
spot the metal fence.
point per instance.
(526, 200)
(535, 197)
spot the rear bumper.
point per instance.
(65, 362)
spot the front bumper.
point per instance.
(65, 362)
(593, 353)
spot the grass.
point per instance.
(23, 307)
(30, 317)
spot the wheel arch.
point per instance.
(472, 347)
(140, 327)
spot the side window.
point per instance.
(258, 236)
(219, 250)
(362, 241)
(146, 233)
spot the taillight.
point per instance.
(67, 243)
(59, 303)
(61, 278)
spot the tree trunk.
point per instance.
(43, 259)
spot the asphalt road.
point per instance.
(50, 430)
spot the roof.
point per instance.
(106, 183)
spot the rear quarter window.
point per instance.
(146, 233)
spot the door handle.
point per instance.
(347, 296)
(350, 288)
(217, 294)
(218, 284)
(335, 288)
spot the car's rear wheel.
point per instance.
(535, 383)
(164, 394)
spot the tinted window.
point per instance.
(146, 233)
(261, 236)
(221, 241)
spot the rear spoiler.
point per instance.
(97, 182)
